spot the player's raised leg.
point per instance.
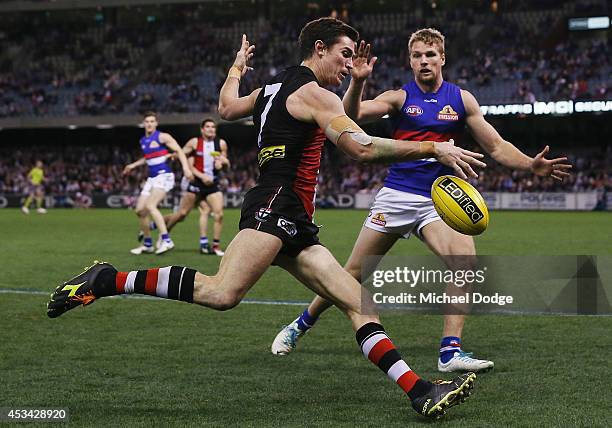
(458, 252)
(369, 242)
(143, 221)
(221, 291)
(215, 201)
(186, 204)
(317, 268)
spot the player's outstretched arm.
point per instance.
(313, 103)
(171, 143)
(369, 110)
(505, 152)
(129, 167)
(231, 105)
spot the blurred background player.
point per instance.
(426, 108)
(207, 158)
(36, 190)
(160, 181)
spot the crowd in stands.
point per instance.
(79, 170)
(118, 66)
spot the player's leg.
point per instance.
(28, 201)
(222, 291)
(317, 268)
(458, 252)
(186, 204)
(215, 201)
(39, 196)
(157, 195)
(369, 242)
(143, 221)
(203, 225)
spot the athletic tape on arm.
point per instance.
(341, 124)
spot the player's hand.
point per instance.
(126, 170)
(188, 174)
(244, 55)
(555, 168)
(459, 159)
(362, 63)
(207, 180)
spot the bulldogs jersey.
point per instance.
(155, 154)
(436, 116)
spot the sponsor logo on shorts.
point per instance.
(447, 113)
(462, 199)
(262, 214)
(287, 226)
(379, 219)
(272, 152)
(413, 110)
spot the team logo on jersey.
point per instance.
(262, 214)
(447, 113)
(272, 152)
(379, 219)
(287, 226)
(154, 144)
(413, 110)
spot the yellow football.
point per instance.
(460, 205)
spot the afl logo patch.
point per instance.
(413, 110)
(447, 113)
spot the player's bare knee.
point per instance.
(355, 272)
(218, 215)
(142, 212)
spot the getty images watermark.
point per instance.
(489, 284)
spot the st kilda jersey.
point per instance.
(289, 151)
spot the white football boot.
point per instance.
(164, 246)
(286, 340)
(463, 362)
(217, 251)
(41, 210)
(25, 210)
(142, 250)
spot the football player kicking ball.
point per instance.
(426, 108)
(293, 114)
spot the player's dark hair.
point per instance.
(328, 30)
(149, 113)
(208, 119)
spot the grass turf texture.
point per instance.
(152, 362)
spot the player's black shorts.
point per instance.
(279, 212)
(197, 187)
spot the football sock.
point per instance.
(165, 237)
(215, 243)
(448, 347)
(378, 348)
(148, 242)
(152, 225)
(203, 242)
(171, 282)
(306, 321)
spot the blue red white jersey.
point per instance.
(437, 116)
(155, 154)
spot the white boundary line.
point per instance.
(297, 303)
(139, 296)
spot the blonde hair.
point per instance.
(429, 36)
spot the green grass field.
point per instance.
(145, 362)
